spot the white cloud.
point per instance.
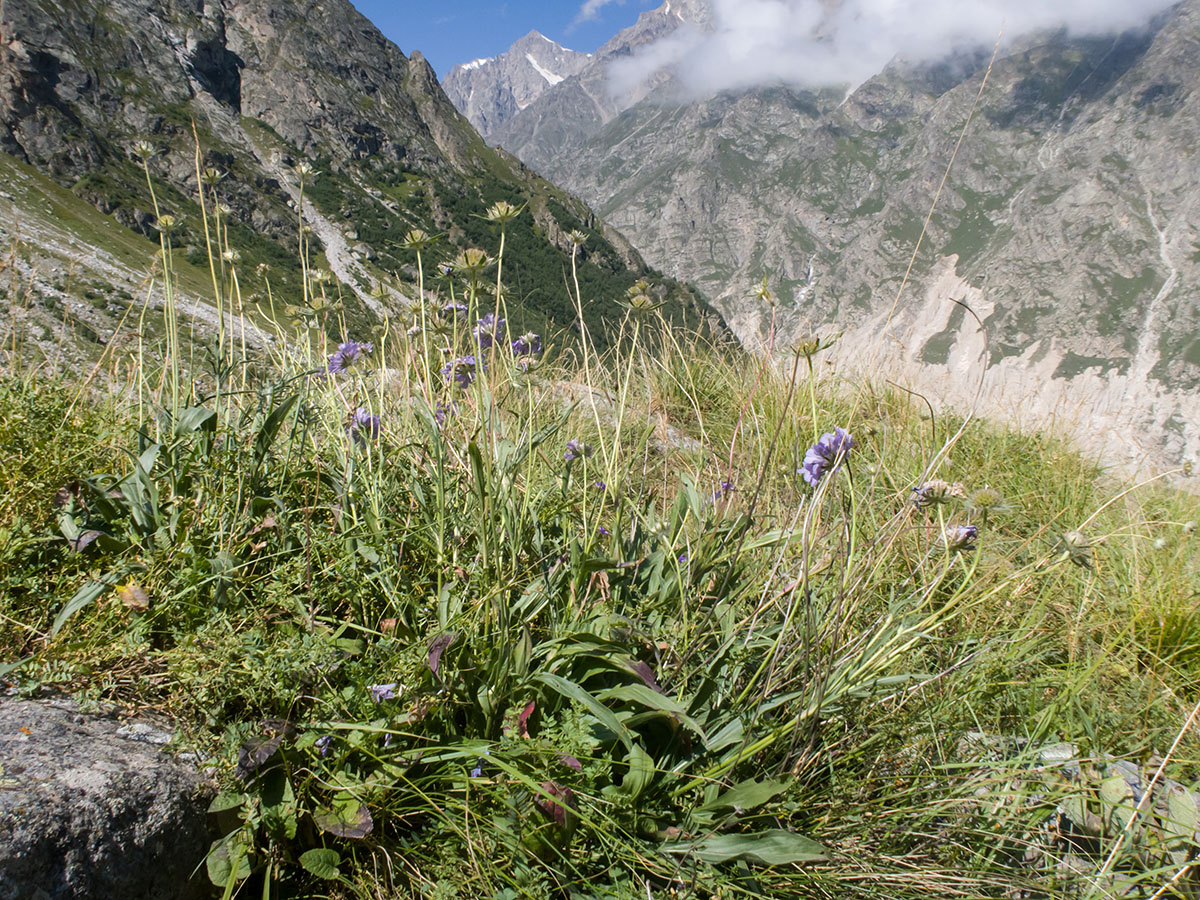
(591, 9)
(837, 42)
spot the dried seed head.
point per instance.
(503, 212)
(1075, 546)
(937, 492)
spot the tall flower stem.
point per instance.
(170, 320)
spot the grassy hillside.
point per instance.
(463, 615)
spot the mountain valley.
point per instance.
(1056, 282)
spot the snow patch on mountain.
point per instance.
(545, 73)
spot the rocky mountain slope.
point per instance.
(490, 91)
(232, 97)
(1070, 223)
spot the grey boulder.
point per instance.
(91, 807)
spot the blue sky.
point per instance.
(462, 30)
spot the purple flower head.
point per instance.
(486, 330)
(604, 531)
(462, 371)
(825, 455)
(322, 744)
(575, 450)
(528, 344)
(347, 355)
(961, 537)
(442, 410)
(683, 558)
(599, 485)
(381, 692)
(724, 489)
(364, 426)
(454, 311)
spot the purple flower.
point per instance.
(381, 692)
(486, 330)
(575, 450)
(462, 370)
(528, 344)
(599, 485)
(454, 311)
(477, 772)
(683, 558)
(961, 537)
(442, 410)
(364, 426)
(322, 744)
(347, 355)
(825, 455)
(722, 491)
(604, 531)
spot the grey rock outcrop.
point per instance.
(489, 92)
(93, 809)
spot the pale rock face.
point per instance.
(490, 91)
(1070, 219)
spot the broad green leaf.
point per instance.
(270, 429)
(771, 848)
(229, 859)
(1180, 823)
(1120, 807)
(347, 818)
(652, 699)
(278, 804)
(5, 668)
(85, 596)
(746, 795)
(727, 736)
(226, 800)
(322, 862)
(196, 418)
(641, 771)
(149, 457)
(572, 691)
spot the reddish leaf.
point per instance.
(82, 542)
(253, 755)
(562, 802)
(73, 490)
(438, 647)
(644, 672)
(523, 719)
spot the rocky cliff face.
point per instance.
(560, 119)
(1070, 223)
(231, 95)
(490, 91)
